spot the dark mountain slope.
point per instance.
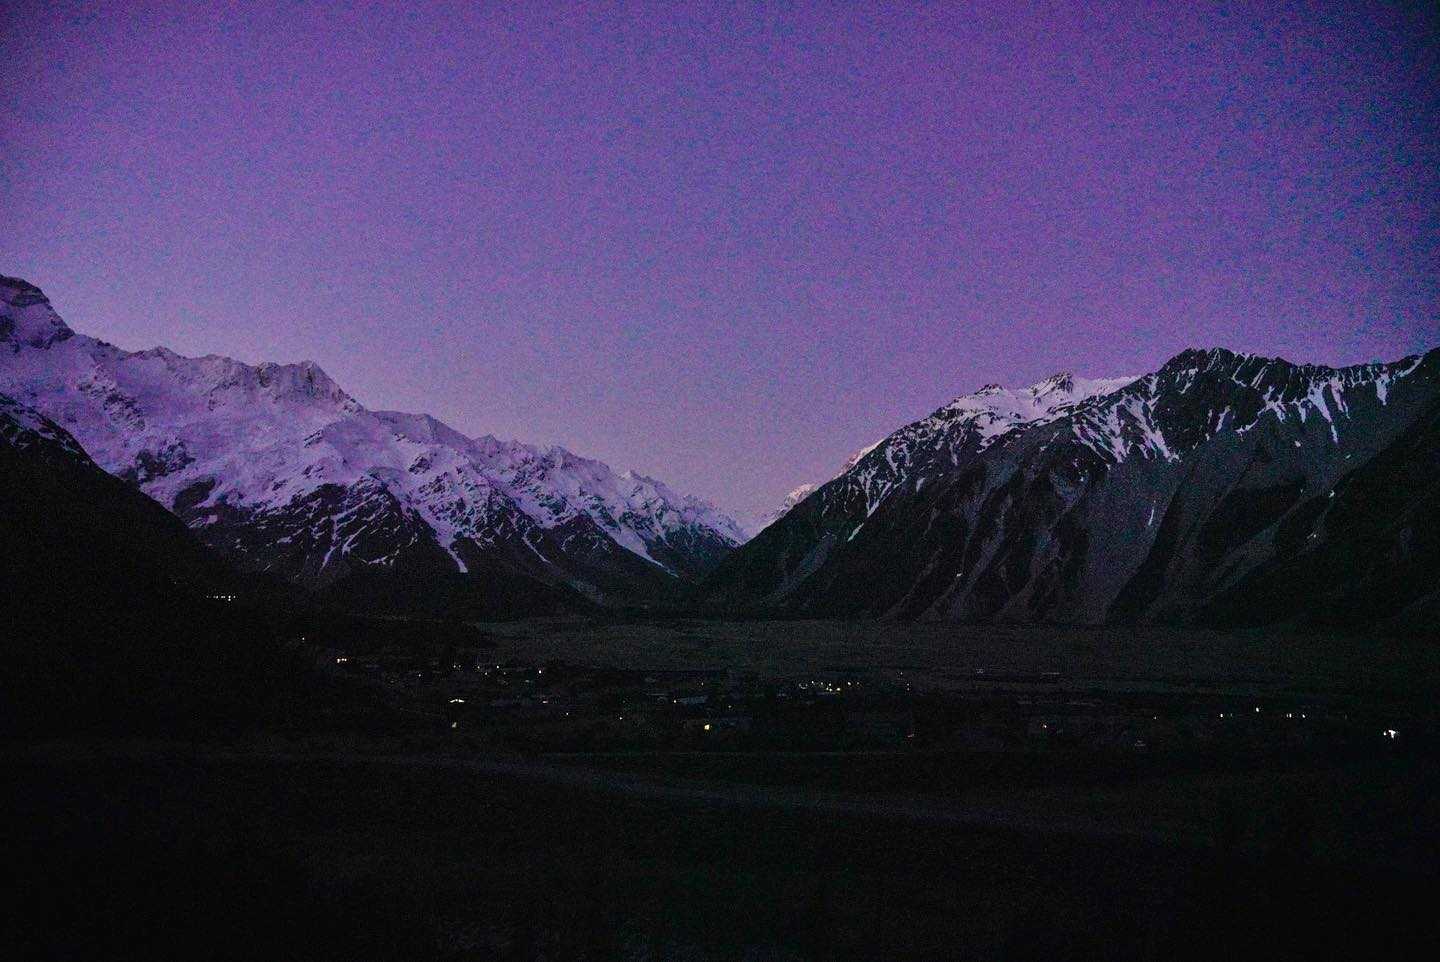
(1366, 552)
(107, 624)
(894, 469)
(1140, 504)
(72, 535)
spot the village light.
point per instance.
(707, 726)
(1390, 733)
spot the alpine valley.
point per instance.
(279, 470)
(1222, 489)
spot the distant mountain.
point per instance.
(788, 502)
(280, 470)
(1168, 496)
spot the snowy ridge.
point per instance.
(790, 500)
(553, 486)
(1246, 390)
(223, 439)
(24, 428)
(968, 424)
(1204, 491)
(854, 459)
(801, 492)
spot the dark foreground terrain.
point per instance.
(185, 851)
(864, 792)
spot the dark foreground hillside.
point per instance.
(183, 854)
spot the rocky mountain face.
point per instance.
(1172, 496)
(280, 470)
(814, 516)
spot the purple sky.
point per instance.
(725, 248)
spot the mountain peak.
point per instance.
(1201, 357)
(1015, 405)
(26, 317)
(301, 380)
(21, 287)
(1062, 381)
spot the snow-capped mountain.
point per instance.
(803, 491)
(279, 469)
(795, 496)
(1160, 496)
(966, 425)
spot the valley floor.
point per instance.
(1131, 655)
(862, 792)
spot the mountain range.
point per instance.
(279, 470)
(1223, 488)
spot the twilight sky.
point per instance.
(725, 247)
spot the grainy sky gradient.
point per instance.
(724, 246)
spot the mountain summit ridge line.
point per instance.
(279, 469)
